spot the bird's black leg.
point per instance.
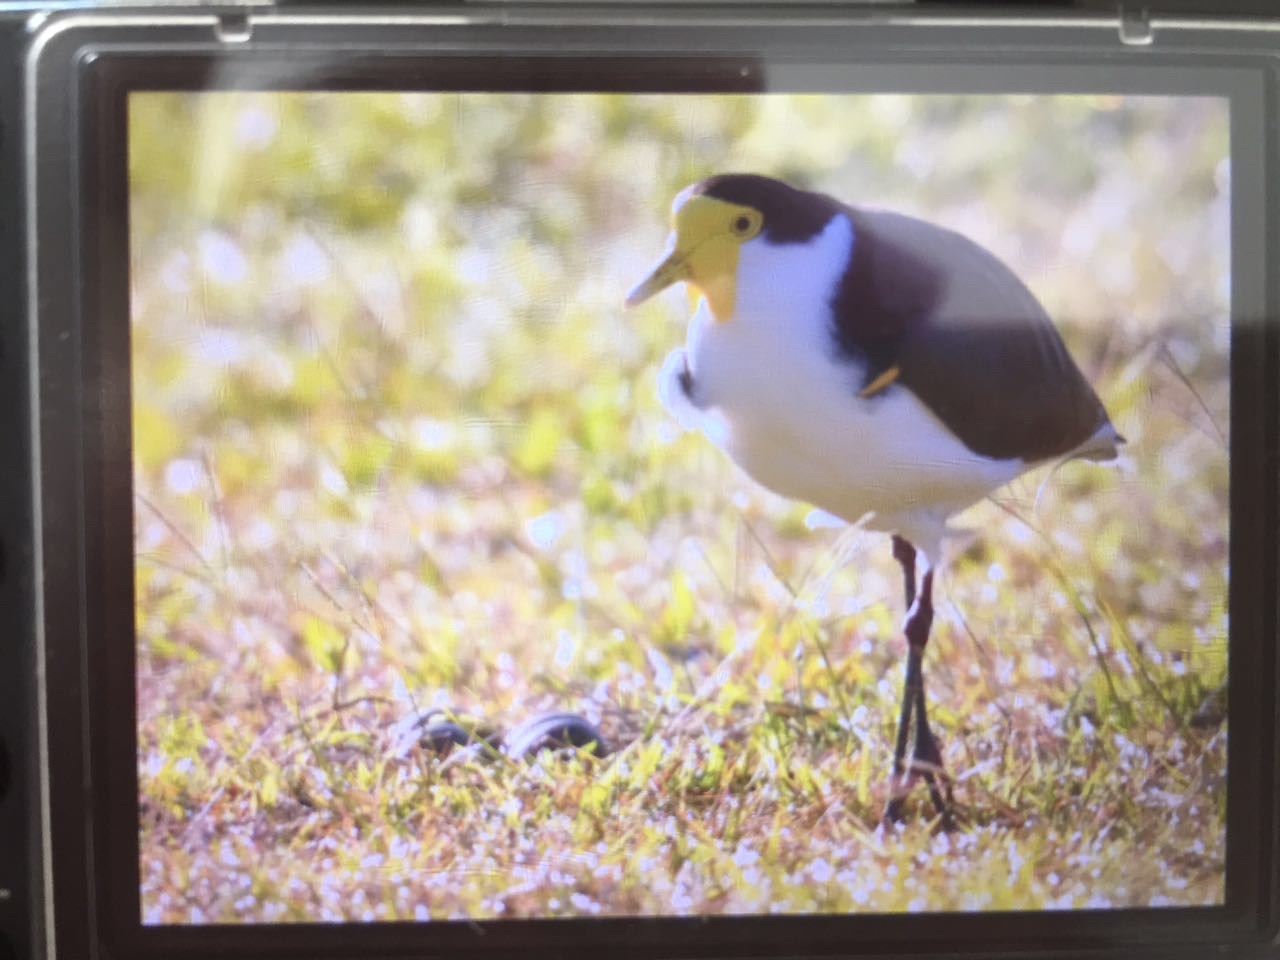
(926, 759)
(905, 554)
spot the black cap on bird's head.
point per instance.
(791, 215)
(713, 218)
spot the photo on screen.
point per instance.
(475, 581)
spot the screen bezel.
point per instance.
(85, 416)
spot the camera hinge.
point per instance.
(1136, 29)
(234, 26)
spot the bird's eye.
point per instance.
(742, 225)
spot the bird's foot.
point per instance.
(900, 785)
(926, 760)
(925, 764)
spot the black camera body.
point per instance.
(87, 755)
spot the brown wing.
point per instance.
(970, 339)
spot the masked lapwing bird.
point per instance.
(879, 367)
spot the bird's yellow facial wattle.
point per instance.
(706, 242)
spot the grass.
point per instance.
(746, 670)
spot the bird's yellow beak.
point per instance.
(706, 240)
(671, 270)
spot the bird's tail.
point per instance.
(1104, 445)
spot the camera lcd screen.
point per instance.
(517, 478)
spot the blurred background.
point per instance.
(397, 446)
